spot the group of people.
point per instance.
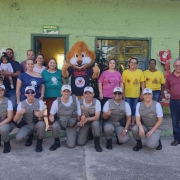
(119, 95)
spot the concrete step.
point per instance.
(166, 126)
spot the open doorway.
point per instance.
(51, 46)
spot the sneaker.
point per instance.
(12, 86)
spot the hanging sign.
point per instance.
(50, 29)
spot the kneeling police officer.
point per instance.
(30, 114)
(6, 115)
(149, 117)
(90, 110)
(117, 116)
(63, 114)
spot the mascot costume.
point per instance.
(79, 67)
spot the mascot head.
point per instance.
(79, 56)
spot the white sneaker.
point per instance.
(12, 86)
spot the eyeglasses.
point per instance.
(117, 93)
(177, 66)
(30, 92)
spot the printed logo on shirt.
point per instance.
(80, 73)
(128, 81)
(147, 78)
(155, 81)
(136, 82)
(112, 81)
(151, 115)
(33, 83)
(54, 80)
(79, 82)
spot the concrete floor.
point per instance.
(84, 163)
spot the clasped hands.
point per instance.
(142, 133)
(83, 120)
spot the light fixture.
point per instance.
(60, 60)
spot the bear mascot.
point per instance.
(79, 67)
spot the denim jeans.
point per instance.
(156, 95)
(175, 115)
(11, 95)
(132, 103)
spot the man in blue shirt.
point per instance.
(11, 93)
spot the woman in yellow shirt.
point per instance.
(154, 79)
(133, 80)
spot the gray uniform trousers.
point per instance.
(111, 127)
(152, 141)
(70, 133)
(5, 130)
(83, 132)
(26, 130)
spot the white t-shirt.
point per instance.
(10, 107)
(41, 105)
(97, 105)
(6, 67)
(54, 107)
(35, 69)
(127, 108)
(159, 111)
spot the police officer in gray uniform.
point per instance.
(30, 114)
(63, 113)
(117, 114)
(6, 114)
(90, 110)
(149, 118)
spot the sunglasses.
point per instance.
(30, 92)
(117, 93)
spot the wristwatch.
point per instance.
(126, 130)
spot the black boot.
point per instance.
(159, 146)
(90, 135)
(39, 145)
(55, 145)
(97, 144)
(7, 147)
(138, 145)
(109, 144)
(29, 140)
(118, 141)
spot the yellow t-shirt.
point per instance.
(132, 80)
(154, 80)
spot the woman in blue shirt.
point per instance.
(29, 78)
(53, 82)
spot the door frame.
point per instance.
(65, 37)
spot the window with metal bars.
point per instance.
(123, 49)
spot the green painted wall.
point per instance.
(85, 19)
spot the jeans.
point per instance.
(175, 115)
(11, 95)
(132, 103)
(156, 95)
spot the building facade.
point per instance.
(120, 28)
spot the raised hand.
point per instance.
(83, 120)
(64, 70)
(109, 112)
(96, 71)
(22, 111)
